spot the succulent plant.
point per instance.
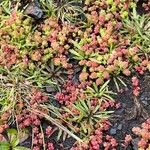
(14, 138)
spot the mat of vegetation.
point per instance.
(74, 75)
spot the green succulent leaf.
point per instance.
(4, 146)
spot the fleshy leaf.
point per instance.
(4, 146)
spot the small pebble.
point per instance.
(145, 102)
(50, 89)
(119, 127)
(113, 131)
(34, 10)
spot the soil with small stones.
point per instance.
(127, 117)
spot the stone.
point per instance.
(113, 131)
(34, 10)
(142, 97)
(50, 89)
(119, 127)
(145, 102)
(115, 125)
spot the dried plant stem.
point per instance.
(52, 120)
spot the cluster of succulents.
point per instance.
(135, 84)
(146, 6)
(101, 39)
(38, 139)
(144, 134)
(99, 140)
(69, 94)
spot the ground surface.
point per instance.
(133, 111)
(126, 117)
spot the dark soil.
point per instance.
(140, 9)
(128, 115)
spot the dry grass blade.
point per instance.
(52, 120)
